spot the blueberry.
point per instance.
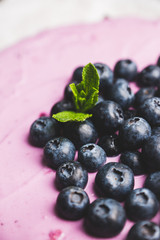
(92, 157)
(115, 180)
(144, 230)
(72, 203)
(107, 117)
(149, 76)
(130, 113)
(111, 145)
(77, 75)
(150, 110)
(42, 130)
(105, 218)
(122, 93)
(106, 77)
(57, 151)
(71, 174)
(143, 94)
(141, 204)
(151, 153)
(134, 161)
(61, 106)
(153, 183)
(68, 93)
(126, 69)
(134, 133)
(80, 133)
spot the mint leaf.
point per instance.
(90, 78)
(71, 116)
(85, 94)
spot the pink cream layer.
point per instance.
(33, 75)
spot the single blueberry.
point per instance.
(106, 78)
(122, 93)
(151, 153)
(126, 69)
(107, 117)
(115, 180)
(72, 203)
(130, 113)
(141, 204)
(42, 130)
(111, 144)
(134, 133)
(80, 133)
(134, 161)
(150, 110)
(58, 151)
(152, 182)
(105, 218)
(77, 75)
(144, 230)
(149, 76)
(71, 174)
(61, 106)
(143, 94)
(92, 157)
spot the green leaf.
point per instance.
(67, 116)
(90, 78)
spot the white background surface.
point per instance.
(23, 18)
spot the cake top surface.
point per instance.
(33, 77)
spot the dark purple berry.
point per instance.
(71, 174)
(72, 203)
(126, 69)
(141, 204)
(42, 130)
(92, 157)
(57, 151)
(115, 180)
(105, 218)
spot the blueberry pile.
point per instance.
(122, 123)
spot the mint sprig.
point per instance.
(85, 96)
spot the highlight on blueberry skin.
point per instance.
(144, 230)
(57, 151)
(92, 157)
(42, 130)
(141, 204)
(115, 180)
(105, 218)
(71, 174)
(72, 203)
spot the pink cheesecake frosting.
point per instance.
(33, 75)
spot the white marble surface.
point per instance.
(23, 18)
